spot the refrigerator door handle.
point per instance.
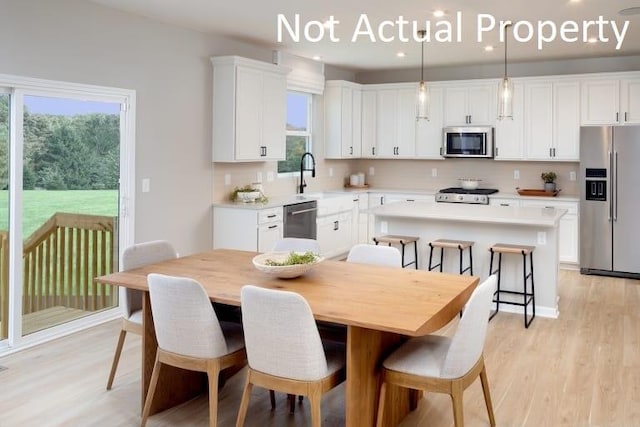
(611, 194)
(615, 177)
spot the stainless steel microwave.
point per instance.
(468, 141)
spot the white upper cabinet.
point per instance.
(369, 131)
(611, 101)
(429, 132)
(552, 120)
(395, 122)
(249, 110)
(509, 135)
(470, 104)
(343, 120)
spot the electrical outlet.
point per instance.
(259, 177)
(542, 237)
(146, 185)
(384, 227)
(227, 179)
(270, 176)
(434, 172)
(330, 172)
(572, 175)
(372, 170)
(516, 174)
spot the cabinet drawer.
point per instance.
(571, 207)
(269, 215)
(496, 201)
(332, 205)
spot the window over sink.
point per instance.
(298, 131)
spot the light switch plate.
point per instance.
(372, 170)
(542, 237)
(434, 172)
(384, 227)
(270, 176)
(330, 172)
(259, 177)
(516, 174)
(227, 179)
(146, 185)
(572, 175)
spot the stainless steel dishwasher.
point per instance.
(300, 220)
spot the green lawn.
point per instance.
(39, 205)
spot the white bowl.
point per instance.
(469, 183)
(248, 196)
(282, 271)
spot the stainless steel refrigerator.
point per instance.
(610, 200)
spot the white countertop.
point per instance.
(280, 201)
(529, 216)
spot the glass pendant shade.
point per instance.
(422, 104)
(505, 99)
(423, 101)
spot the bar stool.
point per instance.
(443, 244)
(402, 241)
(528, 297)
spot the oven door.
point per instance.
(468, 142)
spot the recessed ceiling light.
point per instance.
(488, 48)
(438, 13)
(316, 57)
(401, 54)
(630, 11)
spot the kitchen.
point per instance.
(174, 142)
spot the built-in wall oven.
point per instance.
(468, 141)
(300, 220)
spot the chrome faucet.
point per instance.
(303, 168)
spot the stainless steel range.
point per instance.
(479, 196)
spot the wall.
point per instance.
(417, 174)
(522, 69)
(170, 70)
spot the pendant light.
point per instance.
(505, 91)
(422, 110)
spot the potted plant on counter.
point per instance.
(549, 179)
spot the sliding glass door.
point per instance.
(66, 155)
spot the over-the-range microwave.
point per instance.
(468, 141)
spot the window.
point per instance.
(298, 130)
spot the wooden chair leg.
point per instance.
(244, 403)
(272, 399)
(116, 358)
(456, 399)
(292, 403)
(315, 400)
(487, 395)
(151, 391)
(381, 404)
(212, 375)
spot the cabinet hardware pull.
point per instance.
(625, 116)
(271, 216)
(303, 211)
(504, 204)
(617, 114)
(411, 200)
(272, 227)
(496, 151)
(373, 151)
(550, 152)
(351, 150)
(336, 225)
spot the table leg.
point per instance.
(366, 350)
(175, 385)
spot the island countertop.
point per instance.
(527, 216)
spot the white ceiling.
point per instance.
(256, 22)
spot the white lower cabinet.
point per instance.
(359, 219)
(335, 234)
(568, 229)
(246, 229)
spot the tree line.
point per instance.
(79, 152)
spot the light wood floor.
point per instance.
(582, 369)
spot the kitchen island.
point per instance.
(485, 225)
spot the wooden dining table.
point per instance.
(381, 307)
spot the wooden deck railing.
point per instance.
(62, 257)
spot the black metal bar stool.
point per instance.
(402, 241)
(443, 244)
(527, 297)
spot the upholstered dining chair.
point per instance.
(442, 364)
(190, 336)
(297, 244)
(373, 254)
(131, 300)
(284, 349)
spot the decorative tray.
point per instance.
(536, 192)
